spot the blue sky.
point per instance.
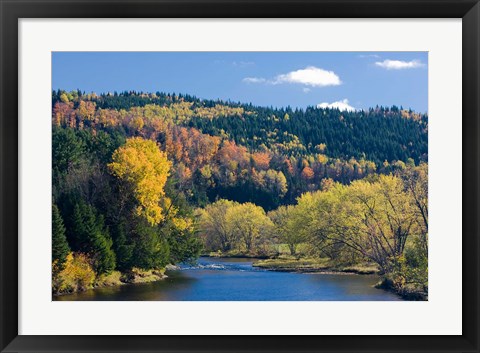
(348, 80)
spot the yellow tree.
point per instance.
(215, 228)
(249, 223)
(309, 220)
(86, 110)
(276, 182)
(287, 227)
(415, 180)
(375, 219)
(141, 164)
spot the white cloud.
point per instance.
(399, 65)
(340, 105)
(310, 76)
(306, 89)
(254, 80)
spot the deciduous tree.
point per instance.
(142, 165)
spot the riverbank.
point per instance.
(314, 266)
(407, 292)
(115, 278)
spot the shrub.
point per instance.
(77, 275)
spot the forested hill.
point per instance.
(379, 134)
(246, 153)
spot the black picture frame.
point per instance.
(11, 11)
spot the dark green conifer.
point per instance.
(60, 248)
(92, 237)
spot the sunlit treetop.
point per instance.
(141, 163)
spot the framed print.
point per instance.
(239, 176)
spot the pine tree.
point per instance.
(102, 247)
(60, 248)
(82, 226)
(92, 237)
(123, 249)
(150, 250)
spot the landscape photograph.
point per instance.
(239, 176)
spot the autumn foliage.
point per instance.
(77, 274)
(146, 169)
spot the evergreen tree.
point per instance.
(122, 247)
(184, 247)
(67, 152)
(92, 237)
(102, 247)
(150, 250)
(60, 248)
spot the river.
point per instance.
(220, 279)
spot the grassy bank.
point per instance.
(143, 276)
(314, 265)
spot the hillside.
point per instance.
(379, 134)
(272, 155)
